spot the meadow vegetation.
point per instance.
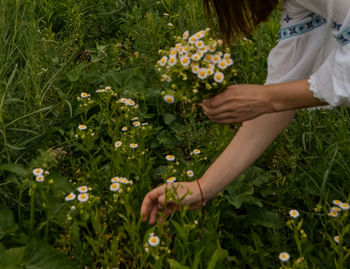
(73, 74)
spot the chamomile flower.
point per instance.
(196, 151)
(208, 58)
(294, 213)
(123, 100)
(185, 61)
(333, 214)
(82, 189)
(212, 48)
(133, 145)
(195, 69)
(337, 202)
(222, 64)
(172, 61)
(171, 179)
(202, 73)
(199, 43)
(134, 118)
(335, 208)
(169, 99)
(82, 127)
(199, 34)
(101, 90)
(178, 47)
(70, 197)
(216, 59)
(185, 49)
(170, 158)
(229, 61)
(114, 186)
(117, 144)
(203, 49)
(115, 179)
(124, 180)
(166, 78)
(130, 102)
(210, 71)
(284, 256)
(124, 129)
(345, 206)
(192, 40)
(84, 95)
(196, 57)
(38, 171)
(136, 123)
(163, 61)
(336, 239)
(219, 77)
(83, 197)
(107, 88)
(40, 178)
(190, 173)
(173, 52)
(153, 240)
(185, 35)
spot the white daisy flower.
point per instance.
(134, 118)
(199, 34)
(172, 52)
(163, 61)
(166, 78)
(40, 178)
(136, 123)
(170, 158)
(202, 73)
(190, 173)
(124, 180)
(195, 57)
(294, 213)
(210, 71)
(169, 99)
(117, 144)
(130, 102)
(123, 100)
(333, 214)
(199, 43)
(216, 58)
(38, 172)
(70, 197)
(229, 61)
(203, 49)
(185, 61)
(185, 35)
(219, 77)
(284, 256)
(336, 239)
(82, 127)
(153, 240)
(124, 129)
(227, 55)
(84, 95)
(195, 69)
(337, 202)
(82, 189)
(212, 48)
(171, 179)
(185, 49)
(222, 64)
(170, 24)
(114, 186)
(335, 208)
(133, 145)
(172, 61)
(107, 88)
(192, 40)
(208, 58)
(345, 206)
(219, 53)
(196, 151)
(83, 197)
(101, 90)
(178, 47)
(115, 179)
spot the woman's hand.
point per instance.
(156, 201)
(237, 104)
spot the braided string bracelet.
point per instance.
(200, 189)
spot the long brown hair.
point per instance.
(239, 17)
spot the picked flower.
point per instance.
(118, 144)
(294, 213)
(82, 127)
(153, 240)
(82, 189)
(83, 197)
(70, 197)
(40, 178)
(169, 99)
(114, 186)
(38, 171)
(171, 179)
(284, 256)
(170, 158)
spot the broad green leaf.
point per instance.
(7, 223)
(263, 217)
(168, 118)
(176, 265)
(15, 169)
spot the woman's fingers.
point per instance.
(151, 200)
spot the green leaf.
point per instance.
(176, 265)
(181, 231)
(263, 217)
(218, 256)
(7, 223)
(168, 118)
(15, 169)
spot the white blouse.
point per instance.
(314, 44)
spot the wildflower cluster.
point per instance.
(39, 174)
(339, 206)
(116, 181)
(196, 67)
(83, 195)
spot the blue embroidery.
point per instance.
(336, 26)
(343, 37)
(301, 28)
(287, 18)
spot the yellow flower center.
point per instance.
(218, 76)
(202, 73)
(168, 99)
(284, 256)
(185, 60)
(83, 196)
(154, 240)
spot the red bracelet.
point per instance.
(200, 189)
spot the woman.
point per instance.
(309, 67)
